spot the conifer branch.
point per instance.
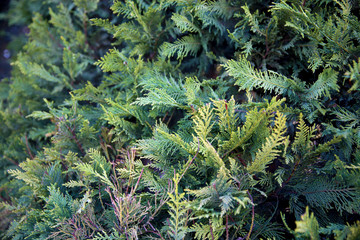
(11, 160)
(192, 160)
(211, 231)
(291, 174)
(28, 148)
(72, 131)
(252, 216)
(331, 191)
(55, 41)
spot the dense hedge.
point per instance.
(182, 120)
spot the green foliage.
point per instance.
(336, 32)
(308, 228)
(249, 78)
(353, 75)
(183, 120)
(178, 212)
(268, 152)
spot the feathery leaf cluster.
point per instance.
(183, 120)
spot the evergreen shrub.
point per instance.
(163, 119)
